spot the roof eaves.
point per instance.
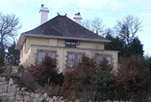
(69, 38)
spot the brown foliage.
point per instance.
(44, 71)
(86, 67)
(104, 66)
(131, 77)
(80, 78)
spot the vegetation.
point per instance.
(45, 71)
(98, 83)
(9, 25)
(12, 55)
(88, 80)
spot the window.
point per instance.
(99, 58)
(71, 59)
(74, 59)
(52, 55)
(109, 58)
(42, 54)
(71, 44)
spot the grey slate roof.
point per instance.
(64, 27)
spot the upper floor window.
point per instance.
(71, 44)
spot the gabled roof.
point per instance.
(62, 27)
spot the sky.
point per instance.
(108, 10)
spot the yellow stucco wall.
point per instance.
(30, 52)
(61, 43)
(25, 54)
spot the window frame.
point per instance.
(76, 54)
(47, 52)
(104, 55)
(71, 43)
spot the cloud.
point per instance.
(146, 6)
(115, 5)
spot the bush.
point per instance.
(21, 68)
(132, 78)
(45, 71)
(1, 60)
(28, 81)
(88, 78)
(58, 79)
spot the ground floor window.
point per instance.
(73, 58)
(43, 53)
(100, 56)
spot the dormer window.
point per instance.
(71, 44)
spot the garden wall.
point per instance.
(10, 92)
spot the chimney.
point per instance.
(77, 18)
(43, 14)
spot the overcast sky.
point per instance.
(108, 10)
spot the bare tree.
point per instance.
(127, 28)
(108, 32)
(9, 24)
(95, 25)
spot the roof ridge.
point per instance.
(65, 27)
(85, 28)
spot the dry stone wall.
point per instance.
(9, 92)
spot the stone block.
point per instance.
(51, 100)
(37, 95)
(61, 98)
(47, 98)
(1, 90)
(78, 100)
(11, 93)
(23, 89)
(17, 89)
(55, 98)
(5, 94)
(41, 99)
(11, 98)
(12, 90)
(26, 98)
(35, 100)
(3, 78)
(32, 94)
(45, 94)
(18, 97)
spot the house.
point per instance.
(64, 39)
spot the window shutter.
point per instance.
(41, 56)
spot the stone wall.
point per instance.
(9, 92)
